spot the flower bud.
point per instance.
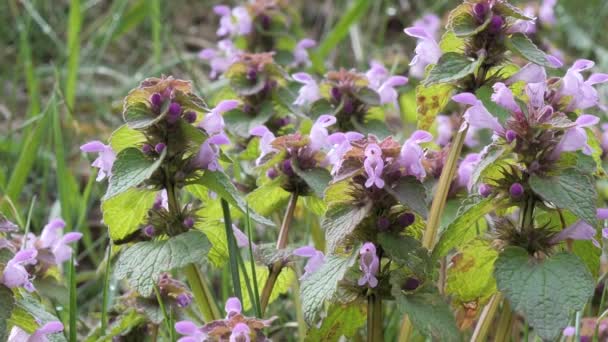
(516, 190)
(252, 74)
(272, 173)
(411, 284)
(156, 100)
(148, 231)
(406, 220)
(510, 136)
(183, 300)
(265, 22)
(287, 168)
(147, 148)
(336, 94)
(496, 24)
(159, 148)
(348, 106)
(174, 109)
(188, 222)
(485, 190)
(480, 10)
(383, 223)
(190, 117)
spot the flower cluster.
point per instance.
(235, 327)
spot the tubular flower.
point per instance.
(52, 240)
(369, 264)
(578, 92)
(412, 154)
(300, 52)
(383, 83)
(427, 50)
(374, 165)
(315, 259)
(15, 274)
(309, 92)
(40, 335)
(235, 22)
(104, 161)
(220, 59)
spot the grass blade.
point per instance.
(156, 18)
(106, 288)
(256, 291)
(73, 305)
(74, 24)
(232, 251)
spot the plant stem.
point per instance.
(202, 294)
(432, 226)
(374, 319)
(233, 251)
(503, 331)
(106, 285)
(485, 320)
(276, 268)
(73, 303)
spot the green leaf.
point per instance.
(142, 263)
(523, 46)
(281, 286)
(341, 320)
(411, 193)
(430, 101)
(139, 116)
(589, 254)
(463, 23)
(237, 75)
(429, 313)
(241, 123)
(320, 107)
(120, 326)
(596, 152)
(7, 302)
(131, 168)
(546, 291)
(488, 162)
(463, 228)
(470, 275)
(125, 213)
(29, 314)
(451, 67)
(509, 10)
(322, 285)
(407, 251)
(450, 43)
(268, 198)
(571, 190)
(219, 183)
(340, 222)
(367, 96)
(316, 178)
(124, 137)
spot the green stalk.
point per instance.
(156, 18)
(275, 270)
(74, 24)
(73, 305)
(166, 315)
(106, 286)
(233, 251)
(486, 319)
(503, 332)
(374, 319)
(202, 294)
(256, 290)
(437, 207)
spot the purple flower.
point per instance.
(15, 274)
(161, 201)
(19, 335)
(233, 307)
(222, 58)
(242, 241)
(208, 154)
(581, 92)
(191, 331)
(430, 22)
(104, 161)
(309, 92)
(465, 170)
(341, 144)
(51, 238)
(383, 83)
(524, 26)
(240, 333)
(374, 165)
(319, 134)
(445, 131)
(575, 138)
(530, 73)
(300, 53)
(485, 190)
(516, 190)
(410, 158)
(315, 261)
(235, 22)
(213, 123)
(477, 115)
(266, 139)
(546, 12)
(604, 138)
(7, 226)
(504, 97)
(427, 50)
(369, 265)
(580, 230)
(183, 299)
(569, 331)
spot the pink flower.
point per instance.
(504, 97)
(524, 26)
(341, 143)
(222, 58)
(213, 123)
(300, 53)
(192, 332)
(266, 139)
(51, 238)
(427, 50)
(235, 22)
(104, 161)
(309, 92)
(15, 274)
(582, 93)
(374, 165)
(369, 265)
(242, 241)
(383, 83)
(445, 131)
(530, 73)
(477, 115)
(575, 138)
(233, 307)
(240, 333)
(319, 134)
(466, 168)
(410, 158)
(580, 230)
(209, 152)
(315, 261)
(19, 335)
